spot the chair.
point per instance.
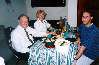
(18, 55)
(14, 52)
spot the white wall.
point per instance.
(54, 13)
(10, 12)
(72, 12)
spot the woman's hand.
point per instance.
(53, 33)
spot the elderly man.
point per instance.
(22, 36)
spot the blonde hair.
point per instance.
(39, 12)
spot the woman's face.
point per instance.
(41, 16)
(86, 18)
(23, 22)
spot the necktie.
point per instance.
(28, 37)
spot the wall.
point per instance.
(10, 12)
(72, 12)
(54, 13)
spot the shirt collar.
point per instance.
(89, 25)
(22, 27)
(40, 20)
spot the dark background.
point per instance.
(91, 5)
(48, 3)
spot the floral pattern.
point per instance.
(61, 42)
(40, 55)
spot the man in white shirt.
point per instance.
(22, 35)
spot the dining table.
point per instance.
(41, 55)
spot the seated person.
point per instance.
(41, 25)
(89, 38)
(22, 36)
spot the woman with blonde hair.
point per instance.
(41, 25)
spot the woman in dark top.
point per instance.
(89, 38)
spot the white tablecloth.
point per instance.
(40, 55)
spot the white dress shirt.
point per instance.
(41, 27)
(20, 41)
(2, 61)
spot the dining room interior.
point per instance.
(68, 11)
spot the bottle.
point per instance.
(67, 27)
(65, 19)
